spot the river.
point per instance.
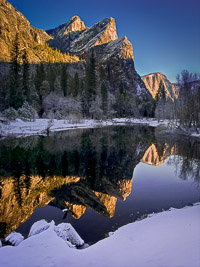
(104, 177)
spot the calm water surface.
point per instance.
(105, 177)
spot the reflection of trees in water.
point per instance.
(27, 172)
(91, 154)
(32, 168)
(185, 152)
(186, 168)
(104, 158)
(187, 157)
(112, 152)
(3, 229)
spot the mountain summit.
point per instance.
(75, 24)
(152, 82)
(114, 54)
(74, 37)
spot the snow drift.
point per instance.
(170, 238)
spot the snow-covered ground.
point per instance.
(21, 128)
(40, 126)
(170, 238)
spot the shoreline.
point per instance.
(20, 128)
(168, 238)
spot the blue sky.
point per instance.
(165, 34)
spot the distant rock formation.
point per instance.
(152, 82)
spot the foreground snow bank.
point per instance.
(63, 230)
(170, 238)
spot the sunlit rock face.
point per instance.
(74, 37)
(12, 22)
(75, 24)
(155, 156)
(152, 82)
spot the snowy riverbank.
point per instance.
(41, 126)
(170, 238)
(19, 128)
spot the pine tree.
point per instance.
(26, 76)
(57, 86)
(121, 88)
(4, 91)
(44, 89)
(40, 87)
(52, 78)
(39, 77)
(161, 94)
(71, 86)
(120, 104)
(76, 85)
(84, 101)
(34, 97)
(95, 108)
(64, 80)
(102, 74)
(160, 101)
(91, 79)
(104, 97)
(16, 94)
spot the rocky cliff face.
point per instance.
(78, 41)
(75, 24)
(74, 37)
(12, 22)
(34, 40)
(152, 82)
(114, 54)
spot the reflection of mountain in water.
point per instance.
(81, 169)
(157, 154)
(186, 158)
(90, 169)
(79, 196)
(18, 201)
